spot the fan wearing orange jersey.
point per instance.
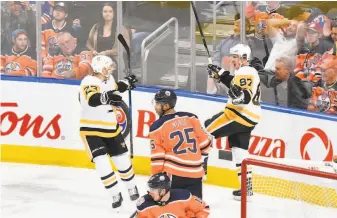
(162, 201)
(179, 145)
(273, 10)
(324, 98)
(56, 25)
(20, 61)
(71, 63)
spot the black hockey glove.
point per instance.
(132, 80)
(128, 83)
(215, 71)
(236, 94)
(204, 165)
(109, 98)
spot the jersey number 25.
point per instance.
(184, 138)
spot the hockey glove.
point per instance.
(109, 98)
(128, 83)
(132, 80)
(215, 71)
(236, 95)
(204, 164)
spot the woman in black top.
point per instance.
(103, 35)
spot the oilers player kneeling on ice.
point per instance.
(162, 201)
(242, 111)
(99, 130)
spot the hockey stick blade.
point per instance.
(201, 32)
(126, 47)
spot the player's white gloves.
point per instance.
(216, 72)
(236, 94)
(109, 98)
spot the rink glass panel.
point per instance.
(163, 65)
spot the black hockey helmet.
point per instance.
(166, 96)
(160, 181)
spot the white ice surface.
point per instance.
(34, 191)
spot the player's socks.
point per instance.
(108, 177)
(126, 173)
(239, 155)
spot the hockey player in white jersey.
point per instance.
(242, 110)
(99, 130)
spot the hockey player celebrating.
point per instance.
(179, 145)
(162, 201)
(99, 130)
(242, 110)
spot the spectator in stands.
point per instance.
(330, 27)
(47, 11)
(324, 97)
(281, 87)
(282, 33)
(19, 15)
(329, 74)
(221, 56)
(260, 44)
(308, 16)
(310, 40)
(310, 50)
(274, 9)
(333, 32)
(72, 62)
(77, 24)
(103, 35)
(57, 24)
(274, 84)
(20, 60)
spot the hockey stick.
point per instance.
(126, 47)
(201, 32)
(133, 215)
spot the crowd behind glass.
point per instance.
(293, 45)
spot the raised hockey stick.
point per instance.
(126, 47)
(201, 32)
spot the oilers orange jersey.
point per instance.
(49, 41)
(255, 16)
(54, 66)
(19, 64)
(323, 100)
(177, 144)
(307, 65)
(181, 204)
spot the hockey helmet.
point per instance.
(242, 50)
(166, 96)
(159, 181)
(103, 64)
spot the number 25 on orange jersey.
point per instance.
(184, 138)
